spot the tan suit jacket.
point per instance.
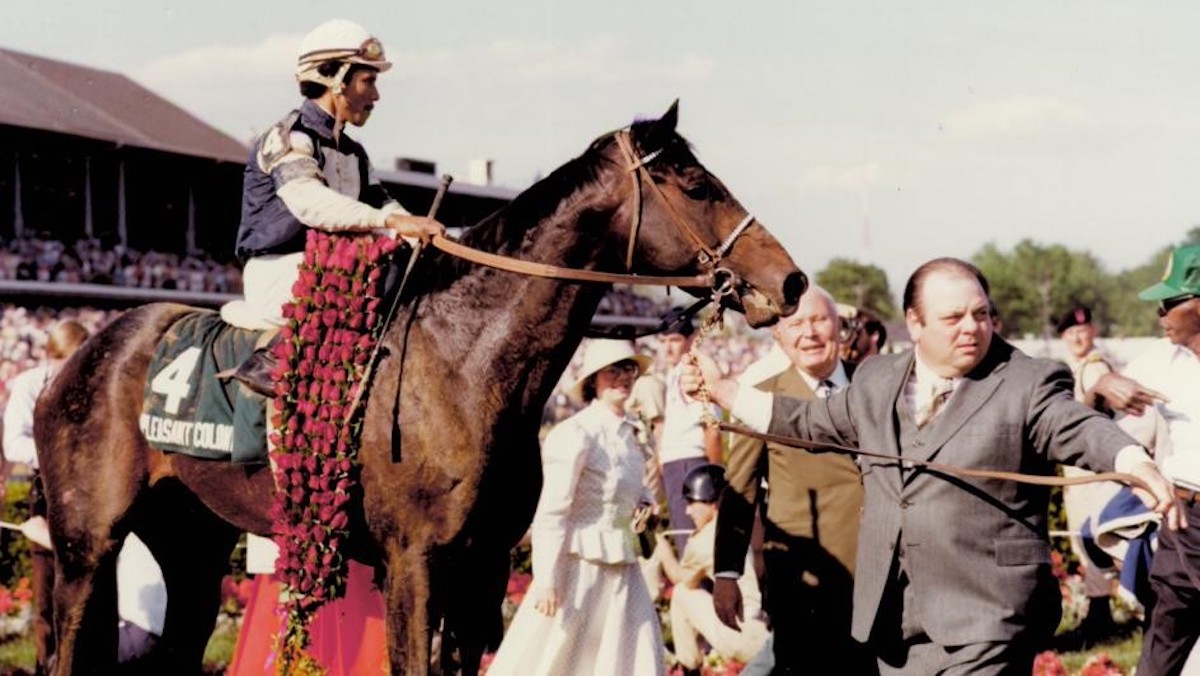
(812, 496)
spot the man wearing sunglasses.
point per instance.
(1172, 367)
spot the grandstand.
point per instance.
(91, 156)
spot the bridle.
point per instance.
(707, 257)
(720, 279)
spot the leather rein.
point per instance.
(1035, 479)
(720, 279)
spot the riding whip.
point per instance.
(443, 188)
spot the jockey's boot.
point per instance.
(255, 372)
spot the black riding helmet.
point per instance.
(704, 483)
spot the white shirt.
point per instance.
(1174, 371)
(838, 379)
(23, 389)
(683, 431)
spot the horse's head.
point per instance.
(682, 219)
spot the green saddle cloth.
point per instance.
(186, 409)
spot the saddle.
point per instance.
(186, 409)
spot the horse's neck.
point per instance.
(516, 331)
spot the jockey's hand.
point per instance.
(727, 601)
(700, 370)
(545, 601)
(417, 227)
(1160, 497)
(1124, 394)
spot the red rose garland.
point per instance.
(329, 337)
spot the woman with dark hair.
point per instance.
(588, 610)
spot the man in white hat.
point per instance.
(305, 172)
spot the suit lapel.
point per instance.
(901, 371)
(972, 393)
(790, 382)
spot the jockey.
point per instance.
(305, 172)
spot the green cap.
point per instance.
(1182, 277)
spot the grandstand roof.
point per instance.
(60, 97)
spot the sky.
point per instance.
(885, 132)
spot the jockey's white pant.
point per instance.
(267, 284)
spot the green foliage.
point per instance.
(859, 284)
(19, 655)
(15, 547)
(1034, 284)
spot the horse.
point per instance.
(469, 362)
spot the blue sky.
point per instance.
(887, 132)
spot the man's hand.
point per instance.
(1124, 394)
(419, 227)
(700, 370)
(727, 601)
(1160, 496)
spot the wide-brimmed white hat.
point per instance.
(600, 353)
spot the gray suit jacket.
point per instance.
(976, 550)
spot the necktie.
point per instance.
(939, 392)
(824, 389)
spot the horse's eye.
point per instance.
(699, 191)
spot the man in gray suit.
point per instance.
(953, 574)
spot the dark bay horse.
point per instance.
(450, 486)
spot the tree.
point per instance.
(862, 285)
(1035, 284)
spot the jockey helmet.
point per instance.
(704, 483)
(341, 41)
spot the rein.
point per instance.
(1035, 479)
(720, 279)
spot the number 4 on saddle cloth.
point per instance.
(186, 409)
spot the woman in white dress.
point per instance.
(588, 610)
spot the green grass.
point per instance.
(1124, 646)
(17, 655)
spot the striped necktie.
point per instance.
(939, 392)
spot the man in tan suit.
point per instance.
(811, 508)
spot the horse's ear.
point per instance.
(663, 128)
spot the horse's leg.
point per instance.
(85, 610)
(408, 591)
(473, 589)
(90, 509)
(192, 547)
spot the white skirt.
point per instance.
(606, 625)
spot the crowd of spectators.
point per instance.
(23, 334)
(87, 261)
(23, 330)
